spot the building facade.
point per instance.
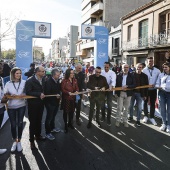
(103, 13)
(146, 32)
(55, 51)
(115, 45)
(59, 50)
(72, 38)
(38, 55)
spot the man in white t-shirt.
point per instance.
(111, 80)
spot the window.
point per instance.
(116, 42)
(93, 3)
(168, 28)
(101, 18)
(93, 20)
(116, 48)
(112, 42)
(129, 31)
(164, 23)
(143, 33)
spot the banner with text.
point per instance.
(25, 32)
(100, 35)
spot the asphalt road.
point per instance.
(106, 148)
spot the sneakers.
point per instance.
(2, 151)
(19, 147)
(117, 124)
(40, 138)
(14, 147)
(125, 124)
(55, 130)
(98, 124)
(84, 103)
(145, 119)
(89, 125)
(87, 103)
(163, 127)
(102, 119)
(50, 136)
(66, 128)
(168, 129)
(130, 119)
(152, 120)
(138, 123)
(108, 122)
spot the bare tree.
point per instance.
(7, 28)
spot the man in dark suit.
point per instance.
(80, 76)
(124, 79)
(52, 87)
(96, 82)
(35, 87)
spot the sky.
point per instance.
(60, 13)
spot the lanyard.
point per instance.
(166, 78)
(150, 71)
(15, 86)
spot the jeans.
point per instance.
(109, 97)
(152, 94)
(98, 103)
(123, 102)
(50, 118)
(78, 108)
(138, 98)
(1, 115)
(164, 100)
(16, 117)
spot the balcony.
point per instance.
(87, 45)
(98, 23)
(85, 3)
(97, 9)
(81, 53)
(115, 51)
(156, 40)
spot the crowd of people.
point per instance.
(66, 93)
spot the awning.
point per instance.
(88, 60)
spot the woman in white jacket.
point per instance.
(16, 107)
(163, 83)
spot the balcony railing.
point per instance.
(115, 51)
(149, 42)
(98, 23)
(97, 8)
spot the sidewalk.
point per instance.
(106, 148)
